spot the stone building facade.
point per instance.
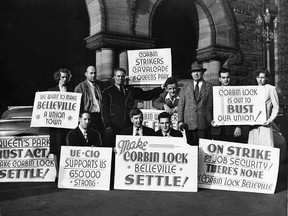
(215, 32)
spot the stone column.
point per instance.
(123, 59)
(211, 75)
(107, 64)
(98, 63)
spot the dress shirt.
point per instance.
(138, 130)
(63, 88)
(172, 99)
(83, 131)
(199, 84)
(166, 134)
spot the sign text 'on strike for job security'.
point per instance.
(237, 167)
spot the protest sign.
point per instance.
(56, 109)
(239, 105)
(86, 168)
(237, 167)
(152, 66)
(26, 159)
(150, 119)
(155, 164)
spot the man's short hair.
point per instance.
(57, 74)
(134, 112)
(169, 81)
(224, 70)
(119, 69)
(82, 112)
(164, 115)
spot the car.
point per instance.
(16, 120)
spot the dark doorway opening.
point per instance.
(175, 25)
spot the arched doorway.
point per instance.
(175, 25)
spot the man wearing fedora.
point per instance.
(196, 106)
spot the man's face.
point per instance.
(261, 79)
(85, 120)
(165, 124)
(197, 75)
(63, 79)
(137, 120)
(119, 77)
(171, 89)
(224, 79)
(91, 74)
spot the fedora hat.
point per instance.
(197, 67)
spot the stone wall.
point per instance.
(282, 31)
(249, 38)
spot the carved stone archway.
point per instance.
(120, 25)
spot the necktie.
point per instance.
(85, 135)
(137, 132)
(121, 90)
(96, 91)
(196, 91)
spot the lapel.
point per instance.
(80, 135)
(202, 92)
(127, 93)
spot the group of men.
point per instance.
(109, 108)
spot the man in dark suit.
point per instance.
(196, 106)
(58, 135)
(166, 129)
(118, 100)
(169, 99)
(230, 133)
(137, 129)
(84, 135)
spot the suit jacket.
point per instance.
(116, 106)
(196, 114)
(87, 96)
(76, 138)
(58, 135)
(173, 133)
(146, 131)
(159, 102)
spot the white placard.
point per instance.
(87, 168)
(155, 164)
(56, 109)
(237, 166)
(150, 118)
(26, 159)
(151, 66)
(239, 105)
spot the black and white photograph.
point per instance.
(143, 107)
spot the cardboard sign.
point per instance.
(56, 109)
(26, 159)
(152, 66)
(86, 168)
(239, 105)
(237, 167)
(150, 119)
(155, 164)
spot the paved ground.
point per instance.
(44, 199)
